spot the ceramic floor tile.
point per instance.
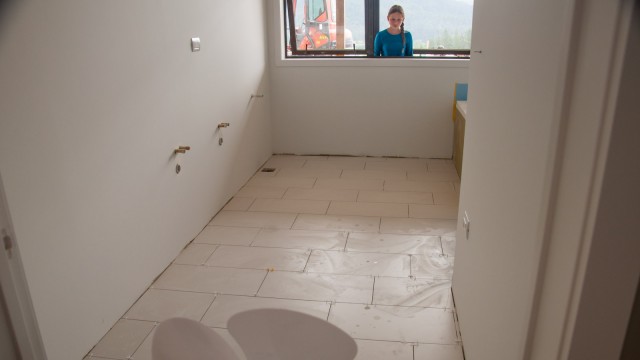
(275, 222)
(437, 351)
(318, 287)
(249, 257)
(144, 351)
(339, 262)
(284, 162)
(123, 339)
(433, 211)
(384, 350)
(226, 306)
(305, 157)
(420, 186)
(395, 323)
(260, 192)
(281, 182)
(408, 291)
(343, 163)
(418, 226)
(350, 184)
(424, 175)
(159, 305)
(195, 254)
(226, 235)
(441, 165)
(224, 333)
(254, 219)
(210, 279)
(291, 206)
(394, 244)
(376, 158)
(375, 174)
(398, 164)
(266, 172)
(437, 267)
(310, 172)
(399, 197)
(368, 209)
(338, 223)
(238, 204)
(448, 198)
(448, 245)
(442, 168)
(321, 194)
(301, 239)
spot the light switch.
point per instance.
(466, 224)
(195, 44)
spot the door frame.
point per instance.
(16, 292)
(572, 258)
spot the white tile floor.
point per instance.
(366, 243)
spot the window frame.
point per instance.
(372, 24)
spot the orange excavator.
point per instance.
(318, 28)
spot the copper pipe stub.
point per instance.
(181, 149)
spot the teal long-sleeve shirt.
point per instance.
(387, 44)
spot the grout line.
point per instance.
(411, 267)
(262, 283)
(142, 342)
(346, 241)
(252, 202)
(215, 296)
(373, 289)
(255, 237)
(308, 258)
(294, 221)
(210, 255)
(330, 308)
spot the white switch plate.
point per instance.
(195, 44)
(466, 224)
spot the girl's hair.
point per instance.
(398, 9)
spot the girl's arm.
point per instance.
(377, 45)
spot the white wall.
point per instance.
(591, 269)
(538, 263)
(390, 107)
(94, 97)
(510, 117)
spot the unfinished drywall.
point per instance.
(546, 181)
(95, 97)
(513, 82)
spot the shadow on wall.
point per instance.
(252, 127)
(5, 6)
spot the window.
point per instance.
(347, 28)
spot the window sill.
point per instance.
(369, 62)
